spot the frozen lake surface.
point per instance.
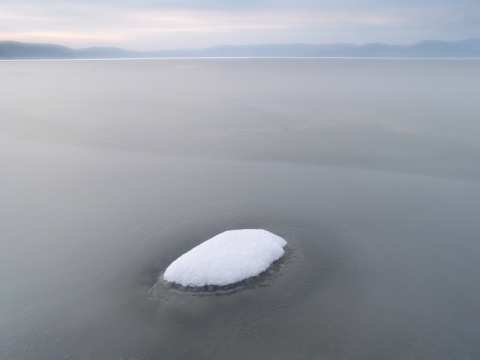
(369, 169)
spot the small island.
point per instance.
(227, 258)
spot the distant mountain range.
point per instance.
(13, 50)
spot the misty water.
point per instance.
(370, 169)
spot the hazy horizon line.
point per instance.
(240, 45)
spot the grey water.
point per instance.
(370, 169)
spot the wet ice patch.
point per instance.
(227, 258)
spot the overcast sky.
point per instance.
(172, 24)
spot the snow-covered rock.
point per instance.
(227, 258)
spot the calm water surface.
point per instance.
(109, 170)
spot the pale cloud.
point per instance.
(154, 25)
(42, 36)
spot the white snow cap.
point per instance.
(227, 258)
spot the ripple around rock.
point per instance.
(227, 258)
